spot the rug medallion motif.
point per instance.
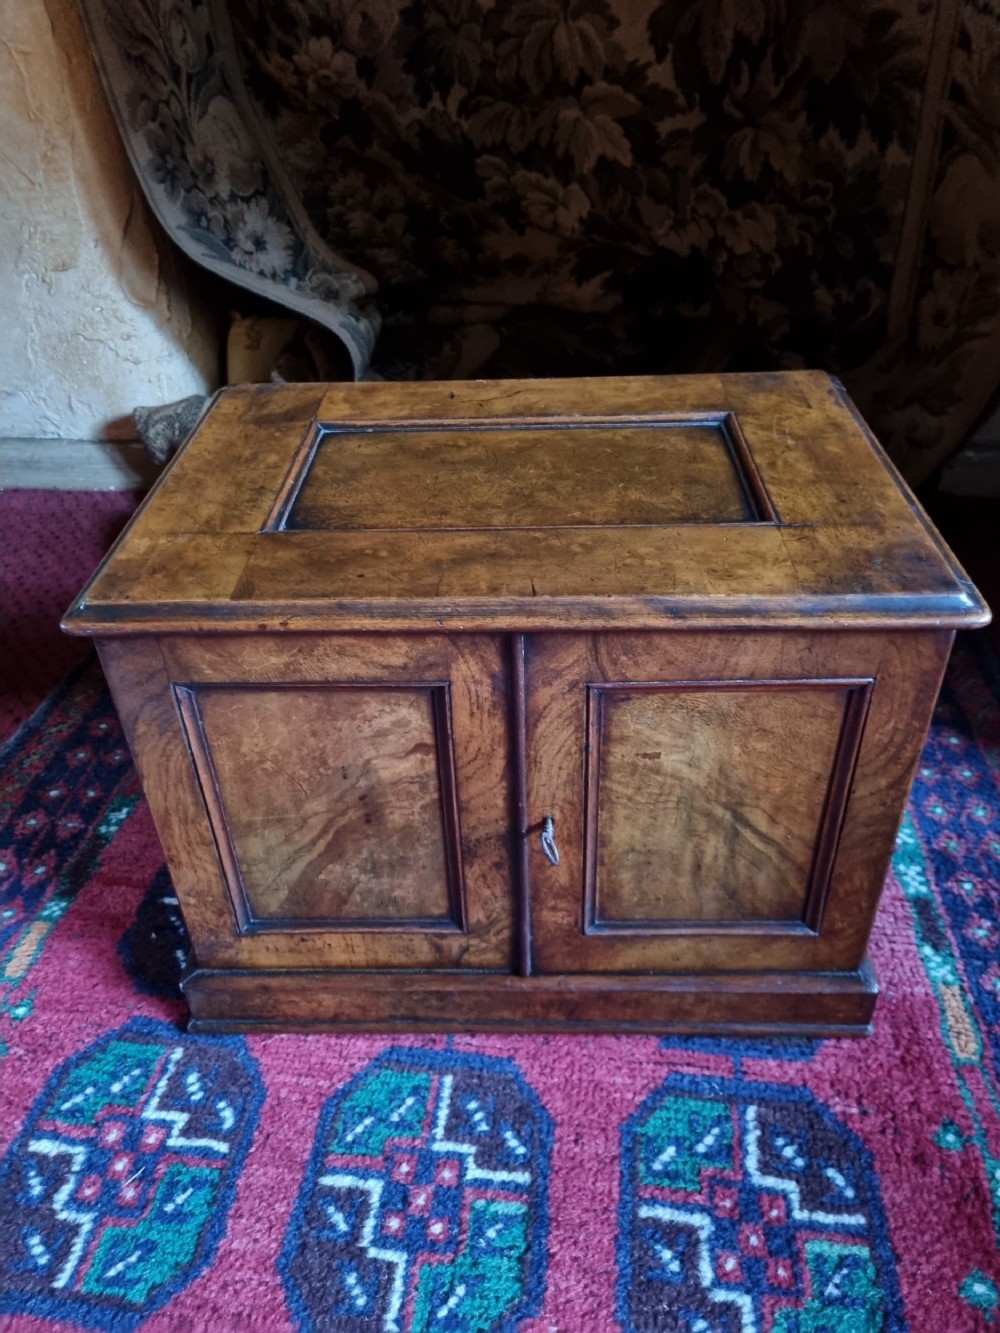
(748, 1208)
(116, 1193)
(424, 1205)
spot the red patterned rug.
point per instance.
(470, 1184)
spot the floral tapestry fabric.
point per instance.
(566, 187)
(165, 70)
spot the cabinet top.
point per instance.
(629, 503)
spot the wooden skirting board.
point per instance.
(75, 465)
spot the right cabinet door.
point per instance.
(718, 801)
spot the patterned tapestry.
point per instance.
(462, 188)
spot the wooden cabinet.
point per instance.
(579, 704)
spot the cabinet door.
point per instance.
(718, 801)
(328, 801)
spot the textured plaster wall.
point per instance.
(96, 315)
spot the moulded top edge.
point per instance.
(957, 611)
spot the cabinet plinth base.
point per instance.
(763, 1003)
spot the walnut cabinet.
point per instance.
(579, 704)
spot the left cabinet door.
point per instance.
(328, 801)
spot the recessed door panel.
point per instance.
(335, 804)
(705, 803)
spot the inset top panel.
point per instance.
(564, 474)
